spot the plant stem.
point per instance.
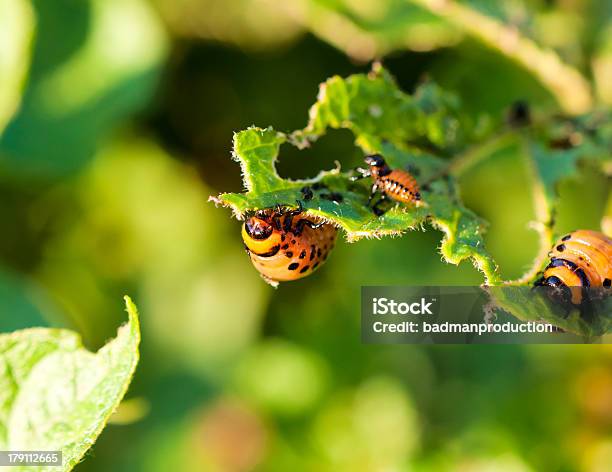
(571, 90)
(477, 153)
(544, 223)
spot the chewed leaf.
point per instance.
(554, 166)
(405, 129)
(256, 151)
(587, 138)
(56, 395)
(373, 107)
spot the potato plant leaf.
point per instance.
(409, 130)
(56, 395)
(557, 154)
(556, 151)
(590, 321)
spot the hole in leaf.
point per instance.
(336, 145)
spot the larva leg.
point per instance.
(376, 208)
(373, 192)
(299, 227)
(362, 174)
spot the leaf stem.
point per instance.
(477, 153)
(544, 223)
(571, 90)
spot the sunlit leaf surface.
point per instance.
(56, 395)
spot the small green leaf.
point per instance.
(56, 395)
(557, 151)
(553, 165)
(372, 106)
(385, 120)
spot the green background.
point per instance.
(123, 131)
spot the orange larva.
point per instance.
(396, 184)
(579, 260)
(287, 245)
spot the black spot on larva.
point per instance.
(304, 269)
(565, 238)
(312, 252)
(289, 254)
(561, 247)
(282, 237)
(607, 283)
(271, 252)
(285, 246)
(293, 266)
(303, 254)
(319, 252)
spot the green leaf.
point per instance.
(365, 30)
(56, 395)
(571, 90)
(555, 151)
(383, 119)
(527, 305)
(374, 108)
(16, 29)
(369, 30)
(557, 154)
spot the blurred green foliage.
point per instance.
(119, 117)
